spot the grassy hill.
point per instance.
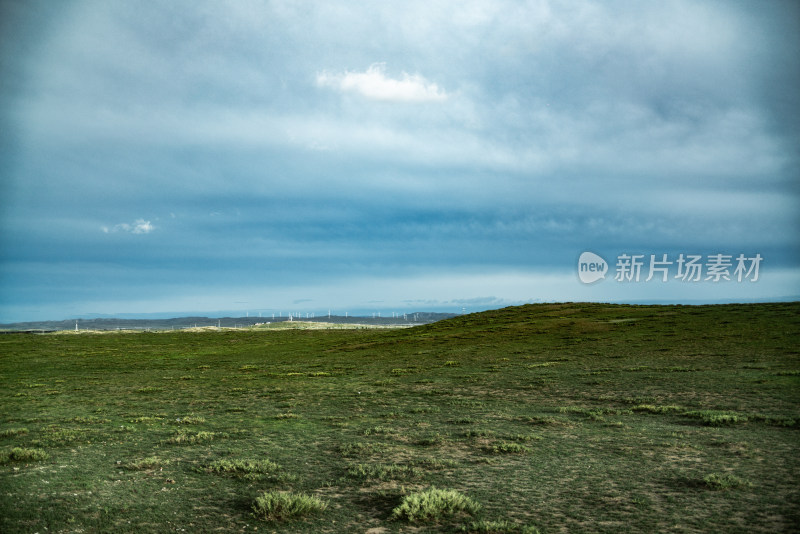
(548, 418)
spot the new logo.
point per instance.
(591, 267)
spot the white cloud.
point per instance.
(375, 85)
(142, 227)
(139, 226)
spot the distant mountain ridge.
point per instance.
(176, 323)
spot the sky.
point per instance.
(258, 156)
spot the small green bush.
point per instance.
(245, 468)
(190, 420)
(146, 419)
(279, 505)
(776, 420)
(725, 481)
(542, 364)
(187, 438)
(507, 447)
(90, 420)
(434, 504)
(378, 430)
(462, 421)
(424, 409)
(497, 527)
(55, 435)
(436, 464)
(479, 433)
(656, 408)
(11, 432)
(19, 454)
(151, 462)
(724, 419)
(716, 418)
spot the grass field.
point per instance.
(540, 418)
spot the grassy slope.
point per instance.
(565, 417)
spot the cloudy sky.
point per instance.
(259, 156)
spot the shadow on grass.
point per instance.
(380, 503)
(684, 483)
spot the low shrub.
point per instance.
(651, 408)
(190, 420)
(243, 468)
(187, 438)
(11, 432)
(436, 464)
(716, 418)
(151, 462)
(146, 419)
(434, 504)
(90, 420)
(497, 527)
(378, 430)
(776, 420)
(462, 421)
(20, 454)
(280, 505)
(725, 481)
(506, 447)
(479, 433)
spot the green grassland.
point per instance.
(540, 418)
